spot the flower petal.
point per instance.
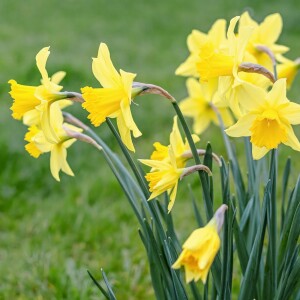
(242, 127)
(259, 152)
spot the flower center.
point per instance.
(268, 131)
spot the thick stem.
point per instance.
(204, 183)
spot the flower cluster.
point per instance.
(238, 72)
(40, 108)
(238, 78)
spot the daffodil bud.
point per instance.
(200, 248)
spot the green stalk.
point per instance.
(129, 159)
(273, 221)
(202, 175)
(217, 266)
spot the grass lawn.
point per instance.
(50, 232)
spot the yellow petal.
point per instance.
(292, 141)
(172, 197)
(58, 161)
(104, 69)
(195, 40)
(242, 127)
(259, 152)
(277, 95)
(291, 112)
(127, 116)
(125, 132)
(270, 29)
(217, 33)
(58, 77)
(41, 60)
(188, 67)
(249, 95)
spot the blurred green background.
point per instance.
(50, 232)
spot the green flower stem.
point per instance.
(202, 176)
(143, 185)
(273, 219)
(129, 159)
(217, 265)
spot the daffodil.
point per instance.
(164, 176)
(200, 249)
(199, 105)
(39, 98)
(38, 143)
(215, 61)
(264, 35)
(179, 147)
(216, 37)
(113, 99)
(268, 119)
(288, 69)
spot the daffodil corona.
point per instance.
(200, 249)
(38, 98)
(268, 119)
(113, 99)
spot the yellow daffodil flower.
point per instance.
(215, 62)
(28, 98)
(195, 41)
(265, 34)
(163, 177)
(178, 145)
(199, 105)
(38, 143)
(288, 69)
(114, 99)
(268, 119)
(200, 249)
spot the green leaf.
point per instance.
(285, 180)
(110, 291)
(248, 286)
(104, 293)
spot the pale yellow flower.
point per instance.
(113, 100)
(178, 146)
(199, 105)
(38, 143)
(200, 249)
(268, 119)
(265, 34)
(163, 176)
(196, 40)
(288, 69)
(28, 98)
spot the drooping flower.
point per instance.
(264, 35)
(199, 105)
(200, 249)
(179, 147)
(215, 62)
(196, 40)
(29, 98)
(288, 69)
(163, 176)
(268, 120)
(38, 143)
(113, 99)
